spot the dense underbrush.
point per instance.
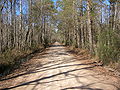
(11, 59)
(108, 49)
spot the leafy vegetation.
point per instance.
(109, 46)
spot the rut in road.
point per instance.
(57, 69)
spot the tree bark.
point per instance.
(89, 25)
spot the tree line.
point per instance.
(91, 24)
(25, 27)
(25, 23)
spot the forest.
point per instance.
(29, 25)
(92, 25)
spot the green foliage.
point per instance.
(109, 46)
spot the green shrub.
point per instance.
(108, 46)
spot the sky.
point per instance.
(106, 2)
(54, 0)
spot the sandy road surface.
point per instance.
(59, 70)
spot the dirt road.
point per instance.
(57, 69)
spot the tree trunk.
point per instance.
(89, 25)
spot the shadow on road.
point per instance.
(47, 77)
(66, 73)
(59, 64)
